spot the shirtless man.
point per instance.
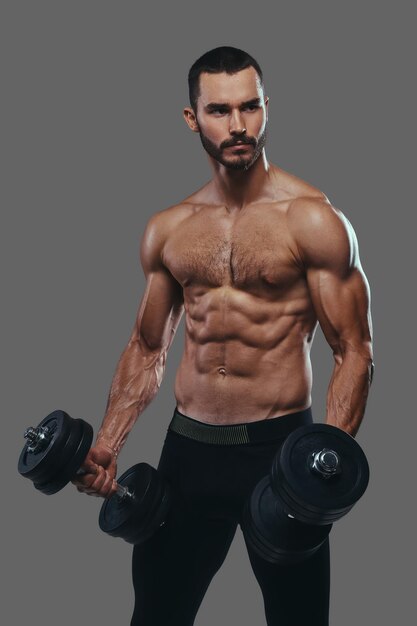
(256, 258)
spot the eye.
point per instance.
(252, 107)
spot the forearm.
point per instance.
(348, 390)
(136, 381)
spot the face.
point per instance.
(231, 117)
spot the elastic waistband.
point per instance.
(247, 432)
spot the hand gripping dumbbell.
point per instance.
(52, 457)
(316, 477)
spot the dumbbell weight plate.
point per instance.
(155, 517)
(53, 461)
(62, 450)
(34, 465)
(307, 495)
(135, 519)
(72, 457)
(276, 537)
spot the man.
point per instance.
(256, 258)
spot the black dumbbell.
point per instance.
(316, 477)
(52, 457)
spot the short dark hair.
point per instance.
(221, 59)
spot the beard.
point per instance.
(238, 161)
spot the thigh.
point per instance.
(173, 569)
(295, 595)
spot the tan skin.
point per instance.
(256, 258)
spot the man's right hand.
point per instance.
(100, 466)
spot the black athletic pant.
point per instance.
(213, 470)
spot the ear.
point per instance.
(191, 119)
(266, 106)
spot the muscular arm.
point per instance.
(340, 296)
(141, 366)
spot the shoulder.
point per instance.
(156, 232)
(323, 234)
(161, 223)
(294, 186)
(167, 218)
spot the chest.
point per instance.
(247, 252)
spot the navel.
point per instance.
(222, 371)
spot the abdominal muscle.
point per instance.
(244, 368)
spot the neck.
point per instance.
(238, 188)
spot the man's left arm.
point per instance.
(340, 295)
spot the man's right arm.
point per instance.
(141, 366)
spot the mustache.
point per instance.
(236, 142)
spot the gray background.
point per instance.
(93, 142)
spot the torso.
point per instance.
(248, 315)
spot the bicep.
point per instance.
(160, 310)
(342, 306)
(162, 303)
(337, 284)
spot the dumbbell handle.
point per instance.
(39, 437)
(122, 492)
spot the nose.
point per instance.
(237, 126)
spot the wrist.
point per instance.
(100, 441)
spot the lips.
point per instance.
(240, 145)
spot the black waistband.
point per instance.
(246, 432)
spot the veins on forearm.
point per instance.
(137, 379)
(348, 391)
